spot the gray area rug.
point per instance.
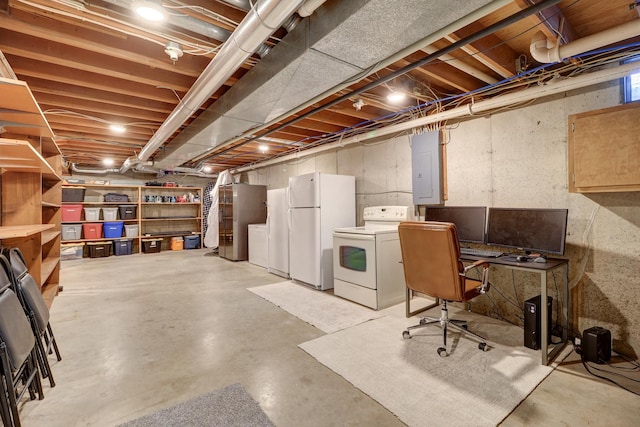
(230, 406)
(467, 388)
(320, 309)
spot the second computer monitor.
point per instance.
(533, 230)
(469, 220)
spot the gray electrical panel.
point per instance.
(426, 163)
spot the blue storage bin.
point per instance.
(113, 229)
(191, 242)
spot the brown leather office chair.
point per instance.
(432, 266)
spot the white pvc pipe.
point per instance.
(529, 94)
(309, 7)
(546, 51)
(255, 28)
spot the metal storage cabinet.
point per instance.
(240, 205)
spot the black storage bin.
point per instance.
(122, 247)
(99, 249)
(150, 246)
(127, 211)
(115, 197)
(73, 194)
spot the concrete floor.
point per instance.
(143, 332)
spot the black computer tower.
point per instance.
(596, 344)
(533, 320)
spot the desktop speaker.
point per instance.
(596, 344)
(533, 321)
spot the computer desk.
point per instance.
(542, 269)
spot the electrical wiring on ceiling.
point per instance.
(536, 76)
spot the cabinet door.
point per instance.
(604, 150)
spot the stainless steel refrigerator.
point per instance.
(318, 203)
(240, 205)
(278, 232)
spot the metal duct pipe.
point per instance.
(160, 172)
(200, 27)
(551, 88)
(546, 51)
(291, 23)
(240, 4)
(254, 29)
(76, 169)
(197, 26)
(146, 169)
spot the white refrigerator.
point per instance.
(278, 232)
(318, 203)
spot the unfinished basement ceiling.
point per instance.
(94, 63)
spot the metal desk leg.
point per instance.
(565, 312)
(544, 333)
(566, 304)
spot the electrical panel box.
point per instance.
(426, 168)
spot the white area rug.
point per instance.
(467, 388)
(324, 311)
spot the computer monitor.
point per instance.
(469, 220)
(532, 230)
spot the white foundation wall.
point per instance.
(516, 158)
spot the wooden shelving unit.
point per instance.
(155, 219)
(30, 170)
(30, 217)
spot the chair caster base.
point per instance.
(442, 352)
(406, 335)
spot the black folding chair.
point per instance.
(35, 308)
(18, 366)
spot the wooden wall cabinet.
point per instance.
(604, 150)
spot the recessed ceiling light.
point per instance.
(117, 128)
(207, 169)
(107, 162)
(149, 10)
(263, 148)
(395, 97)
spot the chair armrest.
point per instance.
(476, 264)
(485, 273)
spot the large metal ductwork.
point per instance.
(333, 46)
(548, 51)
(254, 29)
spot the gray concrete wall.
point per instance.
(516, 158)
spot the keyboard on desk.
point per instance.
(484, 253)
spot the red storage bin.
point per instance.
(92, 230)
(71, 213)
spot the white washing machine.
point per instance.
(367, 261)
